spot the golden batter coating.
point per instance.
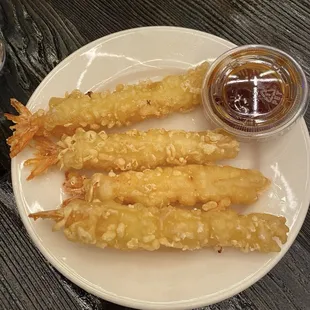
(213, 187)
(132, 227)
(127, 104)
(133, 150)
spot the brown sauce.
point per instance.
(253, 90)
(252, 94)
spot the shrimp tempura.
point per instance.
(133, 150)
(128, 104)
(109, 224)
(214, 187)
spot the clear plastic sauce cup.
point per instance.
(255, 92)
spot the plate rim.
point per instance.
(109, 296)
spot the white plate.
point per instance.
(163, 279)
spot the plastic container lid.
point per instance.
(255, 92)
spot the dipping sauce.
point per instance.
(255, 92)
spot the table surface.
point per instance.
(40, 33)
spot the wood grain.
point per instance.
(38, 34)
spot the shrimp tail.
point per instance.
(27, 125)
(56, 215)
(74, 187)
(45, 156)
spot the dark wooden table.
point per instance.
(40, 33)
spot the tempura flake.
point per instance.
(133, 150)
(212, 187)
(132, 227)
(127, 104)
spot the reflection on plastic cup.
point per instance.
(2, 54)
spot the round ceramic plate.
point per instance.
(163, 279)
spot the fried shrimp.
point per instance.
(132, 227)
(213, 187)
(127, 104)
(132, 150)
